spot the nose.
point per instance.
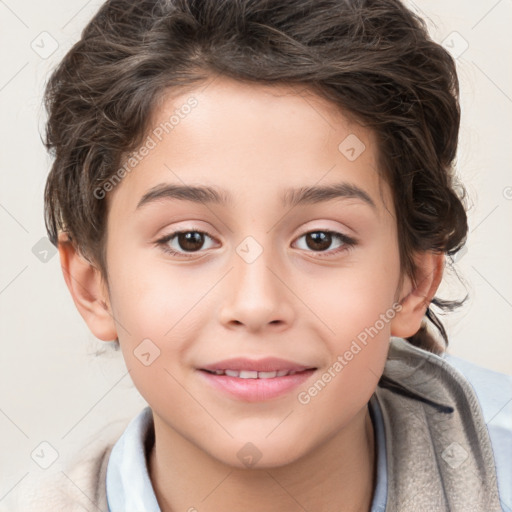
(256, 296)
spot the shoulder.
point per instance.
(494, 393)
(481, 397)
(493, 390)
(76, 486)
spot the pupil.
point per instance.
(321, 240)
(191, 240)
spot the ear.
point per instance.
(88, 289)
(415, 299)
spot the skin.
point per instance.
(291, 302)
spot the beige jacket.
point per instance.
(79, 488)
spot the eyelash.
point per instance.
(348, 242)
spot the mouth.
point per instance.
(250, 385)
(248, 368)
(249, 374)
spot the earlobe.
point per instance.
(87, 289)
(415, 299)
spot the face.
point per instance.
(260, 269)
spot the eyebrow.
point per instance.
(292, 197)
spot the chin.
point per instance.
(259, 454)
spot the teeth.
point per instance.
(245, 374)
(249, 374)
(267, 375)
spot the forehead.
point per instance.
(251, 140)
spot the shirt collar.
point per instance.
(129, 486)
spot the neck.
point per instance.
(341, 471)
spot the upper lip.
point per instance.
(268, 364)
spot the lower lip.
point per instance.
(256, 390)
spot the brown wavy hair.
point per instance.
(372, 58)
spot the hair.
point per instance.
(373, 59)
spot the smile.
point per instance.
(247, 374)
(254, 386)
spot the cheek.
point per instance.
(148, 297)
(143, 306)
(150, 308)
(360, 344)
(358, 298)
(151, 314)
(359, 312)
(358, 349)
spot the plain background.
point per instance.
(53, 388)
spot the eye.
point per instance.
(189, 241)
(321, 240)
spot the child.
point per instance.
(282, 372)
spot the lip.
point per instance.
(268, 364)
(256, 389)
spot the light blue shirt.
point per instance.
(494, 393)
(129, 487)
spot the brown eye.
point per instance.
(320, 241)
(184, 243)
(190, 240)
